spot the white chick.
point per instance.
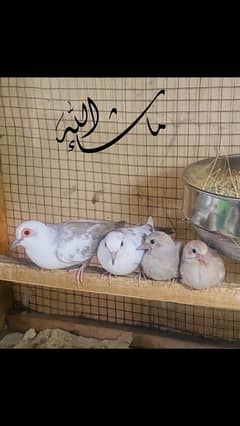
(201, 267)
(62, 245)
(117, 252)
(161, 260)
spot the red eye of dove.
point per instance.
(26, 232)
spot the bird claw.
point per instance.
(79, 276)
(80, 273)
(109, 275)
(140, 274)
(172, 281)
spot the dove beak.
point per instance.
(113, 257)
(202, 259)
(144, 246)
(16, 243)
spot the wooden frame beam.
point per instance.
(6, 299)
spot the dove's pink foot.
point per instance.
(140, 274)
(172, 281)
(80, 273)
(109, 275)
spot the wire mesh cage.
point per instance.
(112, 149)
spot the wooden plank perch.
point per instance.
(21, 271)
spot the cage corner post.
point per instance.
(4, 249)
(5, 288)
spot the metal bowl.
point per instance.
(215, 218)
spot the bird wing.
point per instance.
(218, 263)
(220, 268)
(147, 228)
(150, 222)
(137, 233)
(78, 241)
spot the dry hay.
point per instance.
(218, 180)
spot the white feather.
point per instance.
(127, 257)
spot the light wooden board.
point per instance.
(224, 297)
(140, 338)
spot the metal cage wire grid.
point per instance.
(138, 176)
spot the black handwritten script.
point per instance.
(90, 114)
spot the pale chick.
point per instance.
(201, 267)
(117, 252)
(63, 245)
(162, 256)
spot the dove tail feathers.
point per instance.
(150, 222)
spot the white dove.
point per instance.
(201, 267)
(161, 260)
(117, 252)
(62, 245)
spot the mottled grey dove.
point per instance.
(62, 245)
